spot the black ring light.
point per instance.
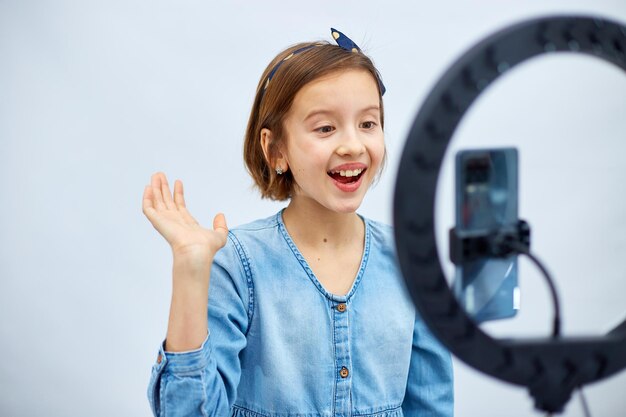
(550, 367)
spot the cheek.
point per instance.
(307, 155)
(377, 152)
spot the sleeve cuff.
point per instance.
(184, 362)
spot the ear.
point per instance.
(273, 154)
(266, 139)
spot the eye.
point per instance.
(325, 129)
(368, 125)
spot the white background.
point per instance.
(96, 96)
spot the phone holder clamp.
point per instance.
(470, 246)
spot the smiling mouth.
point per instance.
(348, 176)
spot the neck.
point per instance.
(311, 224)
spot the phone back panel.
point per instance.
(487, 199)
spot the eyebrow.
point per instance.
(325, 112)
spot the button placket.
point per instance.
(343, 360)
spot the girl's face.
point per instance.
(334, 140)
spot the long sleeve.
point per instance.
(204, 382)
(429, 390)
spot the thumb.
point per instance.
(219, 225)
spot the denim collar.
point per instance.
(309, 271)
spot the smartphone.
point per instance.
(487, 199)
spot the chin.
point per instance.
(348, 207)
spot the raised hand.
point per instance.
(172, 220)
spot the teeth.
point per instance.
(348, 173)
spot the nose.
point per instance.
(350, 144)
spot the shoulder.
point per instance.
(258, 233)
(258, 225)
(380, 228)
(381, 236)
(248, 240)
(233, 266)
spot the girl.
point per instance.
(307, 314)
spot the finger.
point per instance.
(219, 225)
(147, 205)
(167, 194)
(219, 222)
(179, 196)
(179, 199)
(156, 192)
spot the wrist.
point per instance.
(193, 250)
(192, 259)
(196, 270)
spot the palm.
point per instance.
(172, 220)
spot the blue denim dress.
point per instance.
(280, 345)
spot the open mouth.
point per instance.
(347, 176)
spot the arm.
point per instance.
(204, 381)
(429, 391)
(189, 377)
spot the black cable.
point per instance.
(583, 400)
(556, 330)
(523, 249)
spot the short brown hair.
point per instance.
(272, 103)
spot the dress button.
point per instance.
(344, 372)
(159, 358)
(341, 307)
